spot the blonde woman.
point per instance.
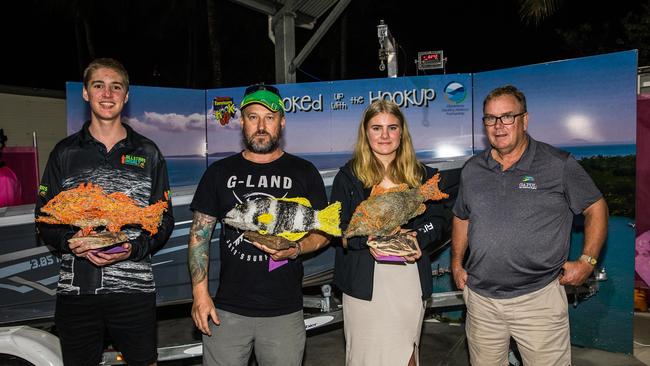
(383, 302)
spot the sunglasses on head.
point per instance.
(257, 87)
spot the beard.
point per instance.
(261, 147)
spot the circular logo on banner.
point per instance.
(455, 92)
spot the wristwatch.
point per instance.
(589, 259)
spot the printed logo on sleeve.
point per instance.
(134, 160)
(42, 190)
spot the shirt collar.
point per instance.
(527, 158)
(86, 136)
(524, 162)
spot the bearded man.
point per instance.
(258, 305)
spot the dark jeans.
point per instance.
(130, 320)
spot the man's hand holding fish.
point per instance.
(277, 255)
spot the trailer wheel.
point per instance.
(10, 360)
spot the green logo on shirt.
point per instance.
(527, 182)
(138, 161)
(42, 190)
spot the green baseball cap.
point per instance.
(262, 95)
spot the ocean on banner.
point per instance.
(588, 151)
(322, 161)
(188, 170)
(184, 171)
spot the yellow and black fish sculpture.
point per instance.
(289, 218)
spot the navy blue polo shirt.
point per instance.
(520, 219)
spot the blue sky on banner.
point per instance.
(173, 118)
(577, 102)
(323, 117)
(571, 103)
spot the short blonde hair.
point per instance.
(108, 63)
(403, 169)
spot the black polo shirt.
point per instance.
(520, 219)
(135, 167)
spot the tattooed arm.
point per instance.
(199, 256)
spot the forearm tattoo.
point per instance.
(199, 246)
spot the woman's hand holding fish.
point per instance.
(377, 254)
(101, 259)
(414, 257)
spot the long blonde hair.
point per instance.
(368, 169)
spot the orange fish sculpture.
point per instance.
(386, 210)
(88, 207)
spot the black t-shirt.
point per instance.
(246, 286)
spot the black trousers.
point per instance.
(130, 320)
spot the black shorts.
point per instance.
(129, 319)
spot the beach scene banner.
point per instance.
(323, 118)
(587, 106)
(194, 128)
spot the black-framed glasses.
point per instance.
(506, 119)
(257, 87)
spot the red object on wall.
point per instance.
(643, 164)
(24, 162)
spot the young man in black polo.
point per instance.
(98, 290)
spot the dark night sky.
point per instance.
(165, 42)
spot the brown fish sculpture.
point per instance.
(89, 207)
(271, 241)
(386, 210)
(101, 240)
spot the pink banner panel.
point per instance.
(24, 162)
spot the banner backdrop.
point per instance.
(323, 118)
(585, 106)
(194, 128)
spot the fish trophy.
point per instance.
(399, 245)
(88, 207)
(279, 222)
(383, 213)
(270, 241)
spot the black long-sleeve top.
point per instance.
(354, 266)
(134, 166)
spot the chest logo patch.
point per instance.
(134, 160)
(527, 182)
